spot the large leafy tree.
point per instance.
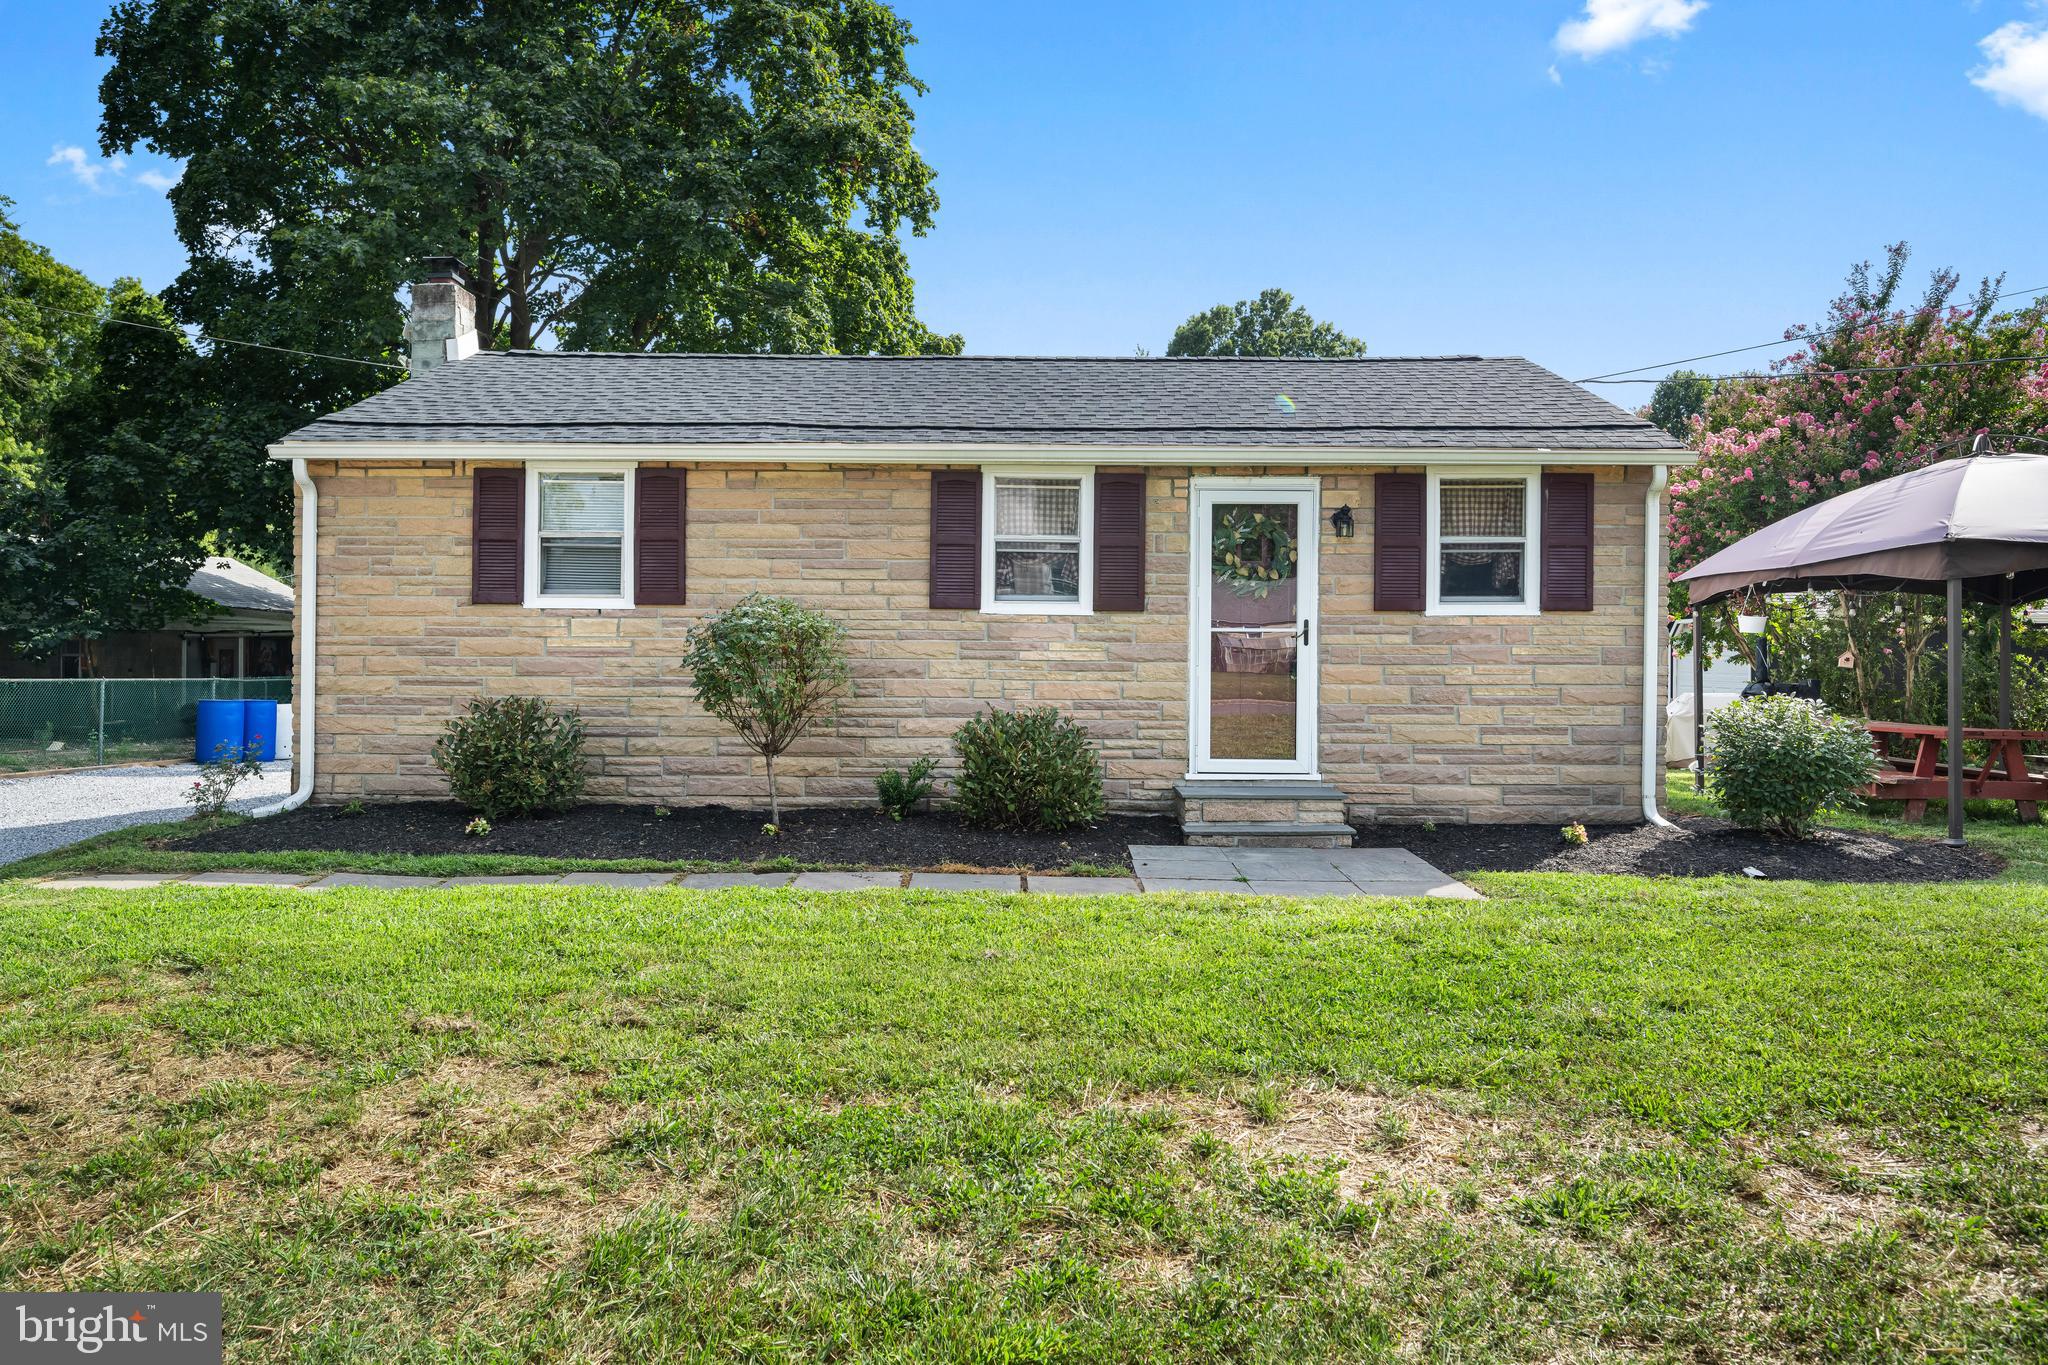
(1270, 325)
(100, 530)
(48, 315)
(661, 175)
(1873, 391)
(1679, 397)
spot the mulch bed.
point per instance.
(859, 836)
(1698, 848)
(865, 837)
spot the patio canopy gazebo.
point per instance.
(1974, 529)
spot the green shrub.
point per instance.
(1775, 763)
(1026, 770)
(510, 756)
(899, 791)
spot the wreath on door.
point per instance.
(1252, 553)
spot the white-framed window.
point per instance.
(579, 536)
(1037, 544)
(1484, 548)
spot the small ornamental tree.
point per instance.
(771, 670)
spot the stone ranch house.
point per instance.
(1279, 594)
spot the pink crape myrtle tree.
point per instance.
(1833, 415)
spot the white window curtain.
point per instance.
(582, 534)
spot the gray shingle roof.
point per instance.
(238, 587)
(1392, 402)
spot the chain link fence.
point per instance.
(69, 723)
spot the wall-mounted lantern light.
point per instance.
(1340, 522)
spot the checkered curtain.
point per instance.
(1038, 507)
(1478, 510)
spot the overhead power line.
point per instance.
(1851, 369)
(1763, 345)
(227, 341)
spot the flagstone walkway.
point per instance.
(1159, 867)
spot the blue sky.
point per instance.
(1594, 185)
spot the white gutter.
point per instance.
(1653, 640)
(309, 593)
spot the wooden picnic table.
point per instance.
(1923, 777)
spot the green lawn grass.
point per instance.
(1585, 1118)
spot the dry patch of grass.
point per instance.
(1819, 1209)
(1458, 1154)
(466, 1132)
(1155, 1270)
(77, 1100)
(1830, 1186)
(1381, 1140)
(474, 1124)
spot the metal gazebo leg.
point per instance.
(1699, 703)
(1955, 713)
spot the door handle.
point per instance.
(1304, 633)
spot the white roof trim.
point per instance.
(952, 452)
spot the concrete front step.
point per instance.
(1230, 814)
(1264, 834)
(1220, 789)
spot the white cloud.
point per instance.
(2015, 69)
(110, 175)
(87, 170)
(1610, 25)
(1555, 77)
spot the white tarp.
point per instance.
(1678, 725)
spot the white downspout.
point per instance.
(1653, 639)
(309, 594)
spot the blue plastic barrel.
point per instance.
(259, 729)
(220, 723)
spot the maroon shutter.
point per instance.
(1399, 542)
(1119, 542)
(659, 509)
(956, 538)
(497, 541)
(1567, 542)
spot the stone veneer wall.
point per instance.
(1490, 719)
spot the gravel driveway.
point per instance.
(38, 814)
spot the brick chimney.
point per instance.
(442, 324)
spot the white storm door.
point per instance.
(1252, 646)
